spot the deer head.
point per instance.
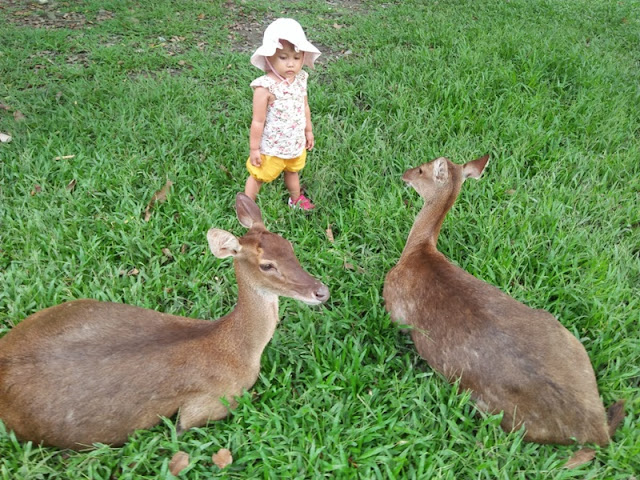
(265, 260)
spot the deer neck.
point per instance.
(255, 315)
(426, 227)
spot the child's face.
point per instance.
(286, 61)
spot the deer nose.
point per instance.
(322, 293)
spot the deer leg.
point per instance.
(200, 410)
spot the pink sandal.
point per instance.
(302, 203)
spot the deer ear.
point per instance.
(440, 170)
(222, 243)
(247, 211)
(475, 168)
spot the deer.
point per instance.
(87, 371)
(511, 358)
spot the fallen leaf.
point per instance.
(167, 253)
(133, 272)
(179, 462)
(184, 248)
(337, 26)
(64, 157)
(71, 185)
(329, 233)
(4, 107)
(159, 197)
(349, 266)
(511, 191)
(226, 170)
(222, 458)
(4, 138)
(18, 116)
(36, 189)
(201, 16)
(582, 456)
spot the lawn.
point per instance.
(106, 101)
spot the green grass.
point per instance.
(140, 92)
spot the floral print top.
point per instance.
(284, 125)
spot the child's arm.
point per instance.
(260, 102)
(308, 129)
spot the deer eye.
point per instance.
(266, 267)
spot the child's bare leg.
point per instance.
(292, 182)
(252, 187)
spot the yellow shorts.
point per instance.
(273, 166)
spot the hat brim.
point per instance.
(311, 53)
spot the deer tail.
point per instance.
(615, 415)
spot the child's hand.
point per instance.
(254, 158)
(310, 140)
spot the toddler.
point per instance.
(281, 130)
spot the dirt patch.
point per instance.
(245, 30)
(43, 59)
(49, 14)
(245, 33)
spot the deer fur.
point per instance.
(87, 371)
(512, 358)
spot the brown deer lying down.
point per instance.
(511, 357)
(88, 371)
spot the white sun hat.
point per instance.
(284, 29)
